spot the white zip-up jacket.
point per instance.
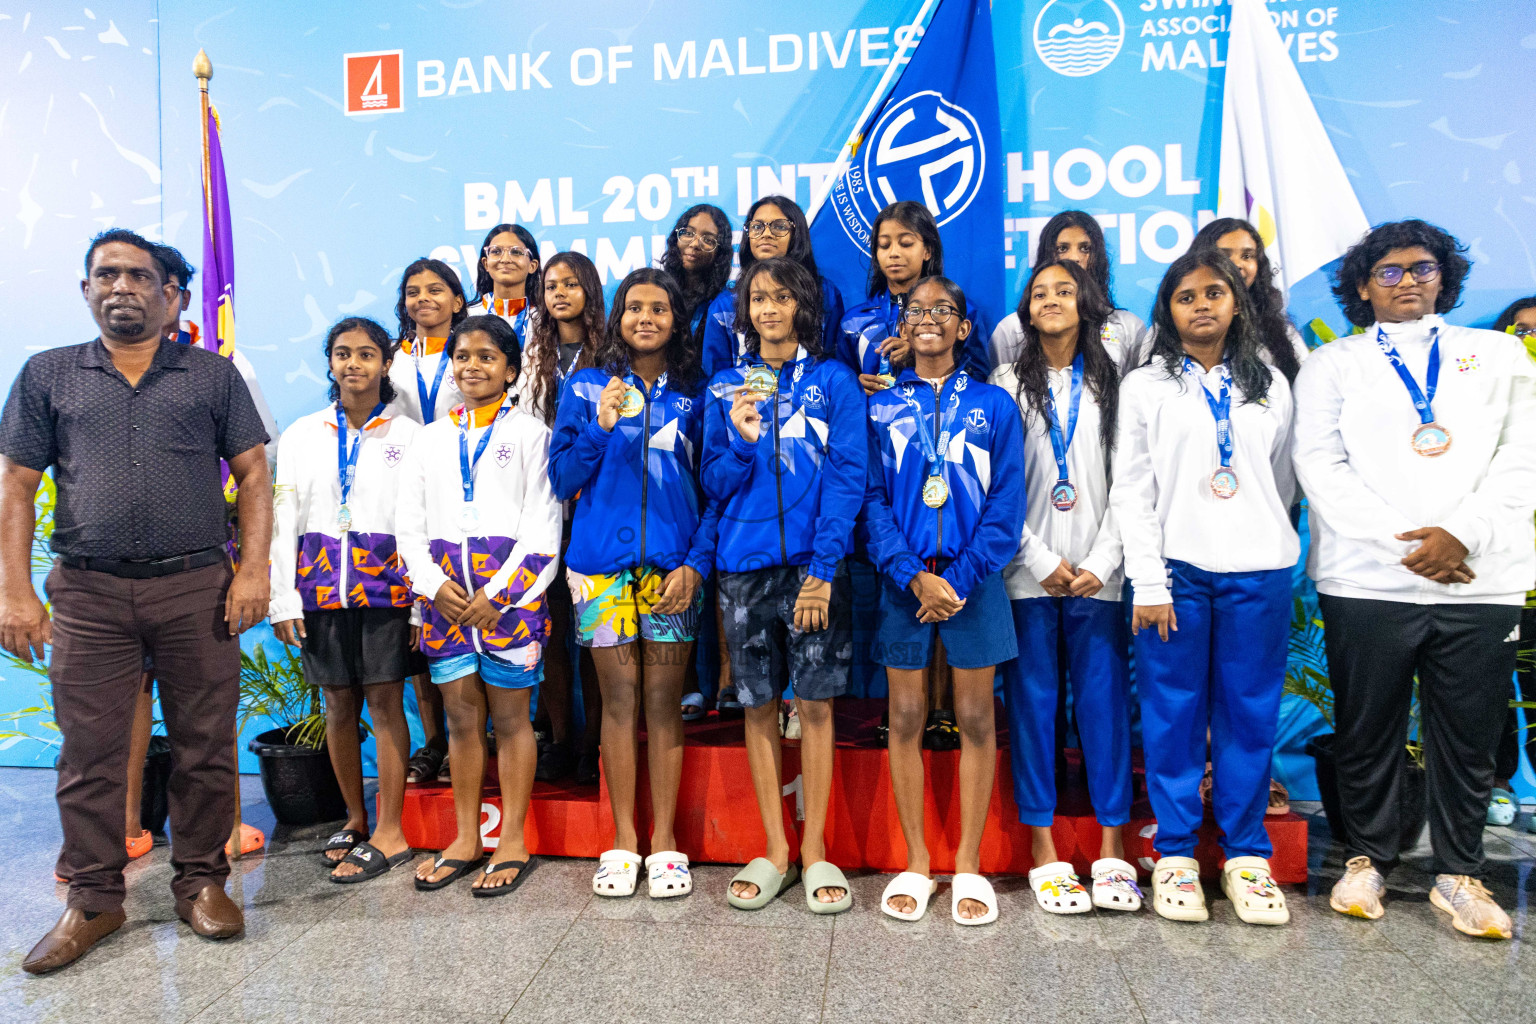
(1126, 338)
(411, 359)
(1365, 485)
(315, 567)
(513, 551)
(1161, 497)
(1085, 536)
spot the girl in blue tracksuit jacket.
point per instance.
(944, 512)
(904, 246)
(625, 448)
(775, 226)
(784, 470)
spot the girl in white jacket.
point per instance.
(480, 532)
(339, 591)
(1064, 584)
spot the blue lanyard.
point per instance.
(428, 399)
(898, 306)
(466, 464)
(934, 455)
(1221, 409)
(1422, 401)
(1060, 444)
(346, 460)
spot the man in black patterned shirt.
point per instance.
(134, 429)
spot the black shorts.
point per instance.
(356, 646)
(767, 652)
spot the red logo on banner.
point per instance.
(373, 82)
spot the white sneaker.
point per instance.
(1359, 892)
(1471, 907)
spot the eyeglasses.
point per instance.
(940, 314)
(496, 252)
(709, 243)
(1390, 275)
(778, 228)
(1520, 331)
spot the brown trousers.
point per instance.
(103, 626)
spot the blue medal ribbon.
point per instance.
(935, 458)
(428, 398)
(1423, 401)
(346, 458)
(466, 464)
(1060, 443)
(1221, 410)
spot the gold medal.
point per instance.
(935, 492)
(760, 382)
(633, 403)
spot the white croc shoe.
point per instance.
(1176, 891)
(1254, 894)
(1057, 889)
(1114, 885)
(618, 872)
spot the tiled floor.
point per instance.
(318, 952)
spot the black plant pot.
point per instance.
(1413, 810)
(155, 804)
(298, 781)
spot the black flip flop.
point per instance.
(460, 869)
(526, 867)
(424, 764)
(728, 706)
(373, 862)
(347, 839)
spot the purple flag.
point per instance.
(218, 247)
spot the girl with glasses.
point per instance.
(1416, 444)
(943, 512)
(775, 227)
(507, 279)
(698, 256)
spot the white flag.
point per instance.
(1278, 167)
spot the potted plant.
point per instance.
(295, 766)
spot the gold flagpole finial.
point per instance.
(202, 67)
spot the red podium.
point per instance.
(717, 820)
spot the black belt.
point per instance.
(146, 570)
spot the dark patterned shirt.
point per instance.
(137, 468)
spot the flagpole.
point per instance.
(202, 68)
(845, 155)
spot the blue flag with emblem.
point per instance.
(930, 133)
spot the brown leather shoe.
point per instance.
(211, 913)
(70, 939)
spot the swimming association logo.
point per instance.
(924, 148)
(1077, 38)
(372, 82)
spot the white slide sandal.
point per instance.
(1114, 885)
(1253, 892)
(909, 883)
(1057, 889)
(669, 874)
(1176, 891)
(618, 872)
(972, 887)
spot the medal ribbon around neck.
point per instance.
(1223, 480)
(346, 459)
(935, 455)
(1430, 438)
(1064, 495)
(428, 398)
(467, 465)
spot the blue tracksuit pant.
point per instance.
(1224, 670)
(1094, 632)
